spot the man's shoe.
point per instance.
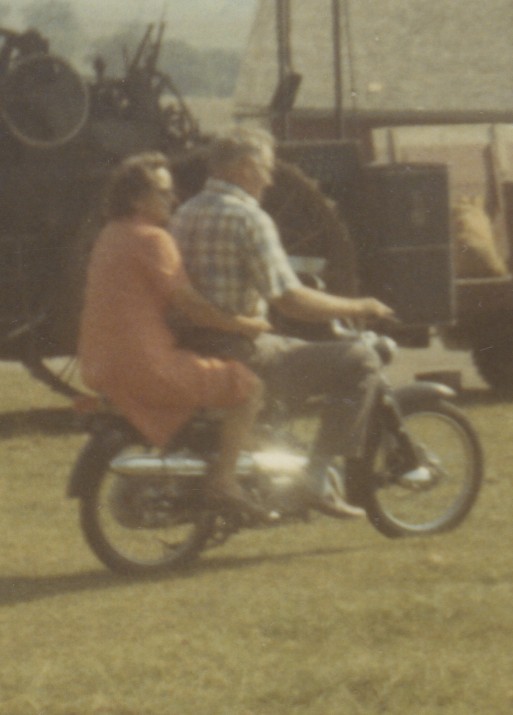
(332, 504)
(324, 492)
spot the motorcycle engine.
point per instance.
(277, 479)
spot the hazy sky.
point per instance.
(210, 22)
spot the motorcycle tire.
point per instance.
(445, 443)
(133, 526)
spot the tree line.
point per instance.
(195, 71)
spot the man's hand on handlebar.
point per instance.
(374, 308)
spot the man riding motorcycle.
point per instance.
(233, 254)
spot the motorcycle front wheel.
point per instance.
(140, 525)
(439, 495)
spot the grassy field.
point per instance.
(325, 618)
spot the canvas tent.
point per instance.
(445, 64)
(418, 56)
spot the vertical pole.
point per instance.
(337, 70)
(284, 57)
(283, 38)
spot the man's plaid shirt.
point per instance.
(232, 250)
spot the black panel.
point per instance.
(408, 205)
(405, 247)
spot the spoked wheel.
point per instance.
(439, 494)
(142, 525)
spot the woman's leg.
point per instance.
(235, 431)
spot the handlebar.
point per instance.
(385, 346)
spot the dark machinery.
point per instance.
(59, 136)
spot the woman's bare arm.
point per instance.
(199, 311)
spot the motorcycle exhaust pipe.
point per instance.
(171, 465)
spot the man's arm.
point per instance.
(308, 304)
(274, 278)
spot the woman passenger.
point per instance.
(126, 348)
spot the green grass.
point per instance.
(325, 618)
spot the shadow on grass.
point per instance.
(50, 421)
(26, 589)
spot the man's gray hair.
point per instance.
(236, 143)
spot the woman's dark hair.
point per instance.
(130, 180)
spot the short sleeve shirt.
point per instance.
(232, 250)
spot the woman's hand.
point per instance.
(251, 327)
(189, 302)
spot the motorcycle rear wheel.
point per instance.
(448, 446)
(134, 526)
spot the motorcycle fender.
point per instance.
(422, 392)
(90, 458)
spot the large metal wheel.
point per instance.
(449, 450)
(140, 525)
(45, 102)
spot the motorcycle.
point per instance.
(142, 511)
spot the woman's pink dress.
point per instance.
(126, 349)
